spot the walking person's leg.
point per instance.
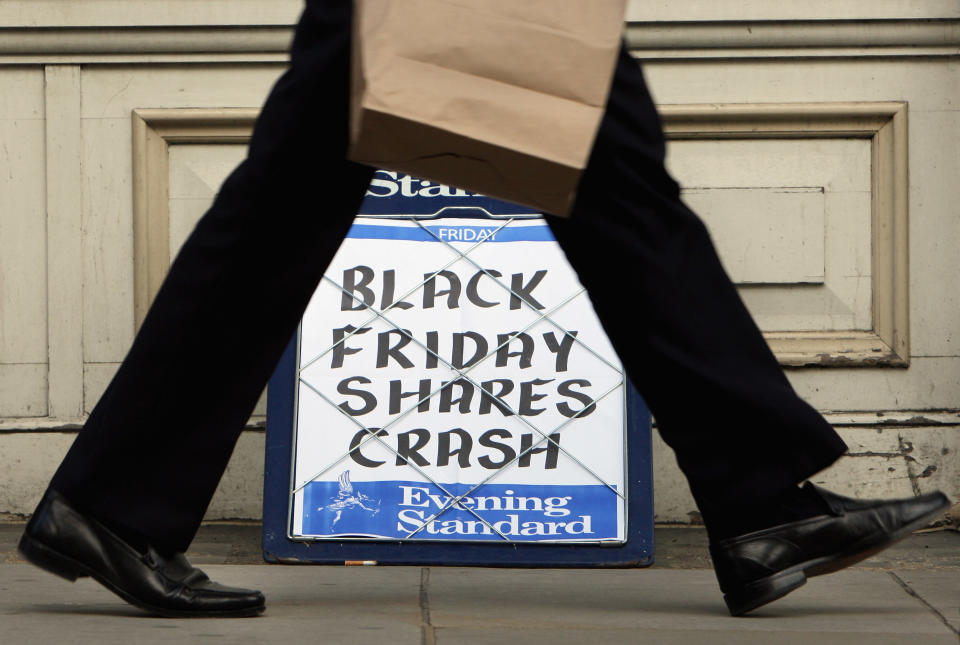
(150, 456)
(719, 396)
(742, 436)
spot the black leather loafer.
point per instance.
(760, 567)
(63, 541)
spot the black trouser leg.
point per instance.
(156, 445)
(720, 399)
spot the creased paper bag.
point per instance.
(501, 97)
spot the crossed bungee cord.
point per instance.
(462, 374)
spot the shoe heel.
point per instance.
(47, 559)
(764, 591)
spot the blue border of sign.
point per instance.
(394, 196)
(637, 551)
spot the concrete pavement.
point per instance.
(911, 597)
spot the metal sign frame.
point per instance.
(636, 551)
(280, 545)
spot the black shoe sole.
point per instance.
(48, 559)
(764, 591)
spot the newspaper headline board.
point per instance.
(451, 384)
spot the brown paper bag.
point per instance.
(501, 97)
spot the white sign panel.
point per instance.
(483, 403)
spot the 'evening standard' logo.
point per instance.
(392, 193)
(520, 512)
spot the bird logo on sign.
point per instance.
(349, 499)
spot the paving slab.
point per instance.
(640, 636)
(430, 606)
(860, 604)
(304, 604)
(938, 589)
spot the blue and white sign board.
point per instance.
(451, 383)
